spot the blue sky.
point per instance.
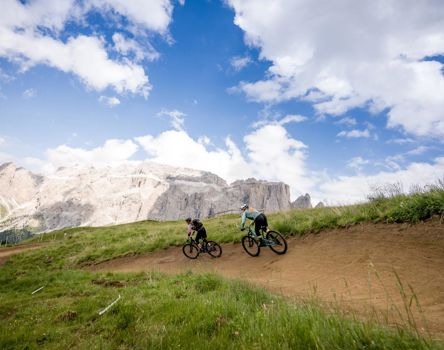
(332, 104)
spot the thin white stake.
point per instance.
(107, 308)
(37, 290)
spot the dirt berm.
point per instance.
(374, 271)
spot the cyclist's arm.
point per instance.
(244, 218)
(190, 231)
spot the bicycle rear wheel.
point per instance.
(279, 244)
(214, 249)
(190, 251)
(251, 246)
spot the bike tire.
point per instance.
(190, 251)
(280, 244)
(251, 246)
(214, 249)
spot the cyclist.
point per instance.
(259, 219)
(201, 232)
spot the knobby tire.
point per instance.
(191, 251)
(214, 249)
(280, 246)
(251, 246)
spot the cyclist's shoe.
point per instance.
(261, 242)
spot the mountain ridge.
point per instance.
(85, 195)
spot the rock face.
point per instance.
(320, 205)
(88, 196)
(302, 202)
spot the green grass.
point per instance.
(188, 310)
(156, 311)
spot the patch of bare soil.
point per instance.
(371, 270)
(5, 253)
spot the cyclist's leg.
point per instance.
(202, 232)
(259, 223)
(265, 223)
(198, 238)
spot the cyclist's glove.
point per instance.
(243, 229)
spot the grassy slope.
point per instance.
(188, 310)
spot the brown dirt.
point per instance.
(355, 268)
(5, 253)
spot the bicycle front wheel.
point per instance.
(190, 251)
(214, 249)
(278, 242)
(251, 246)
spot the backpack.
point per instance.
(196, 223)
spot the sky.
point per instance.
(334, 98)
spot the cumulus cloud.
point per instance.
(109, 101)
(270, 154)
(113, 152)
(369, 54)
(352, 189)
(30, 35)
(127, 47)
(354, 134)
(154, 15)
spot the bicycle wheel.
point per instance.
(190, 251)
(214, 249)
(279, 245)
(251, 246)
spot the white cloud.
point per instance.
(354, 134)
(401, 141)
(154, 15)
(109, 101)
(29, 93)
(29, 35)
(2, 141)
(176, 118)
(417, 151)
(357, 163)
(351, 189)
(271, 154)
(292, 118)
(126, 47)
(238, 62)
(347, 121)
(357, 54)
(112, 152)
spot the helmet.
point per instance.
(188, 219)
(244, 206)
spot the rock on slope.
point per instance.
(83, 195)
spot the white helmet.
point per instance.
(244, 206)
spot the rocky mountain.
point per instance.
(302, 202)
(89, 196)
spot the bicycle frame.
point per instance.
(252, 234)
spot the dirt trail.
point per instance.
(5, 253)
(355, 268)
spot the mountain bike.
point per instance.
(191, 248)
(273, 239)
